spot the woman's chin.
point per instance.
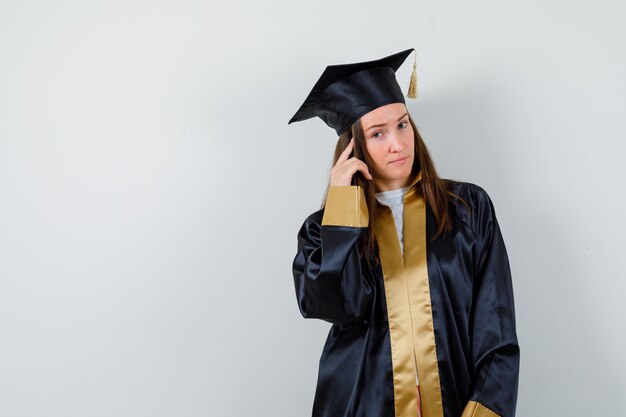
(399, 173)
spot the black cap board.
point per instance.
(345, 92)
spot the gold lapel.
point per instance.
(409, 309)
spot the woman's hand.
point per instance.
(344, 169)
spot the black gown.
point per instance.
(443, 309)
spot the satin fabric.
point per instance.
(473, 314)
(409, 309)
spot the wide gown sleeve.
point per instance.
(327, 271)
(494, 346)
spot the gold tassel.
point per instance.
(413, 83)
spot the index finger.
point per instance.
(346, 152)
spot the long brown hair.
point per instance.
(433, 188)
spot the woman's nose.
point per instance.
(394, 142)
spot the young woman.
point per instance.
(410, 269)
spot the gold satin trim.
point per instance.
(409, 308)
(415, 264)
(476, 409)
(346, 206)
(398, 313)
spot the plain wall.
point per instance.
(151, 191)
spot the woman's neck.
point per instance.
(392, 184)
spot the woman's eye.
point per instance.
(403, 123)
(376, 133)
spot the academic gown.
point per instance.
(444, 309)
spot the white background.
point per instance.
(151, 192)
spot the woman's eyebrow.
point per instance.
(373, 126)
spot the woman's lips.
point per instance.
(399, 161)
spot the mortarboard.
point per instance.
(345, 92)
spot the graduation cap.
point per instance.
(346, 92)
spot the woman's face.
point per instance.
(389, 142)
